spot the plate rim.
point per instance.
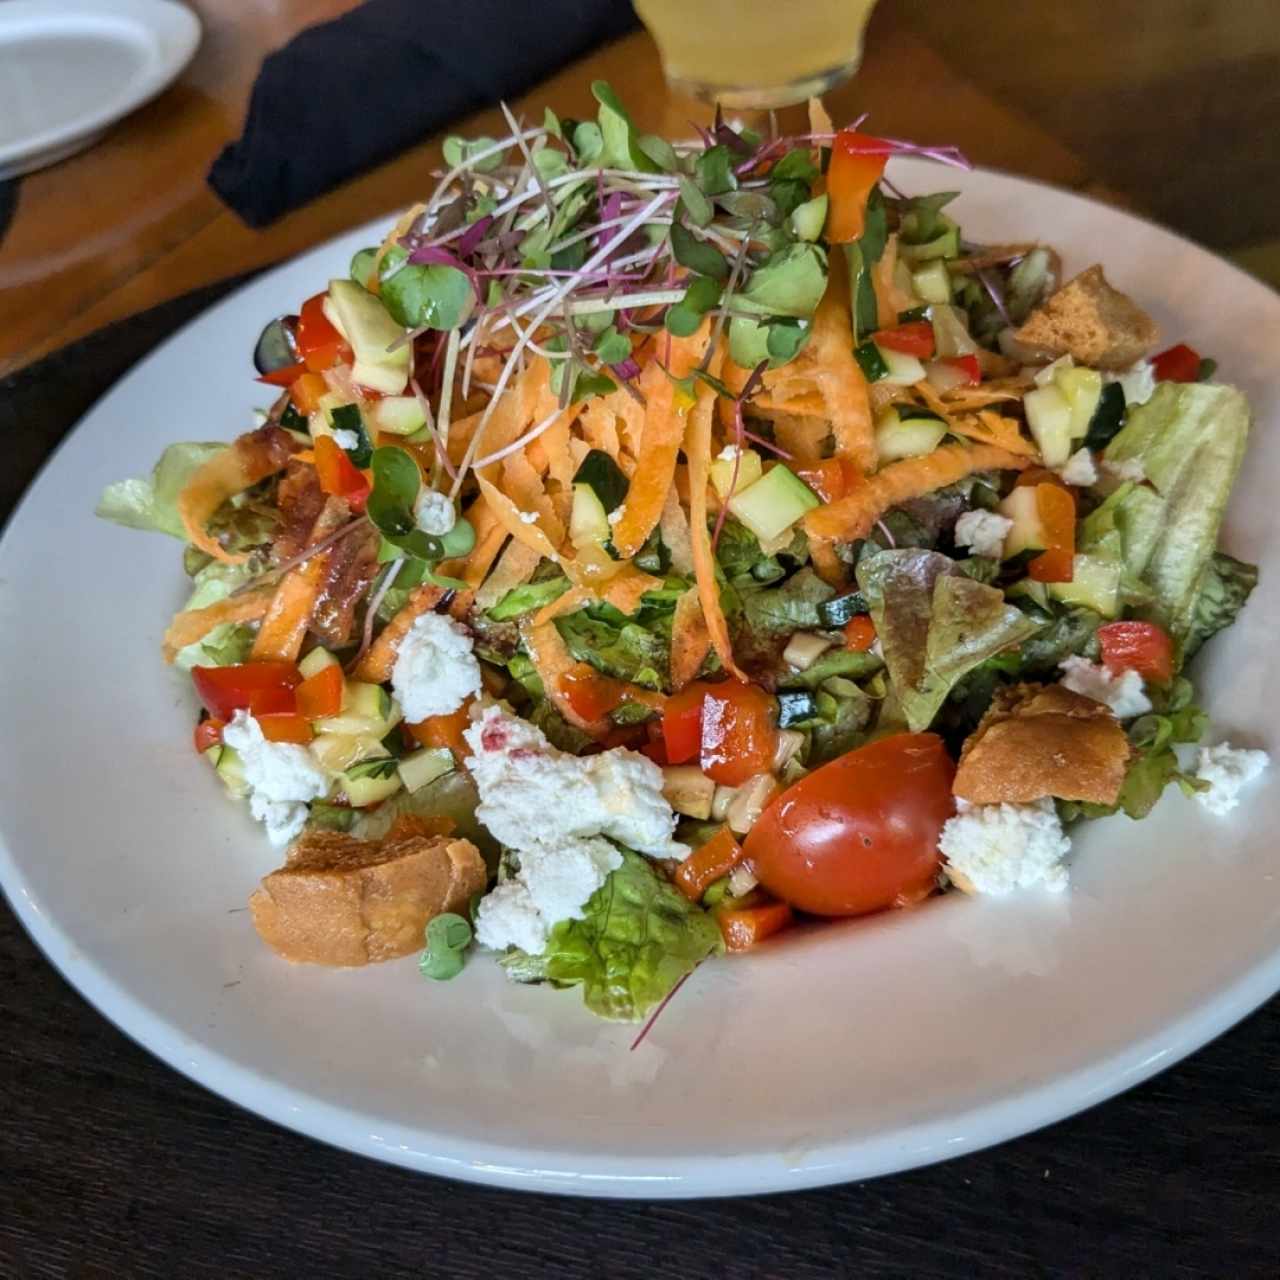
(976, 1128)
(176, 31)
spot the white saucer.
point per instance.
(69, 69)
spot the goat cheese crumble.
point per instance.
(1080, 469)
(1227, 770)
(1138, 382)
(282, 777)
(345, 439)
(983, 532)
(436, 669)
(1124, 694)
(434, 513)
(551, 809)
(996, 848)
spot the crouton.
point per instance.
(1092, 322)
(339, 900)
(1038, 741)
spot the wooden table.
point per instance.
(132, 222)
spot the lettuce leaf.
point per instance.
(224, 646)
(152, 504)
(528, 597)
(626, 651)
(784, 609)
(639, 936)
(451, 796)
(935, 625)
(1190, 439)
(1224, 588)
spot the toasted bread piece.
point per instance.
(1043, 740)
(1092, 322)
(339, 900)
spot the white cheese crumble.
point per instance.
(983, 532)
(729, 453)
(1138, 382)
(1124, 694)
(552, 809)
(615, 516)
(528, 517)
(1080, 469)
(282, 777)
(434, 513)
(345, 439)
(1128, 469)
(436, 670)
(1227, 770)
(996, 848)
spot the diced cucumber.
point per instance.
(370, 781)
(898, 437)
(795, 706)
(804, 649)
(1049, 417)
(750, 469)
(1027, 534)
(366, 709)
(362, 265)
(901, 370)
(841, 609)
(588, 521)
(1083, 390)
(1047, 376)
(425, 766)
(380, 364)
(951, 336)
(774, 503)
(316, 661)
(808, 219)
(688, 790)
(871, 362)
(944, 245)
(1031, 589)
(230, 768)
(604, 475)
(932, 282)
(336, 752)
(398, 415)
(1095, 583)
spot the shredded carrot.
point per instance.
(508, 515)
(697, 448)
(194, 624)
(660, 443)
(376, 665)
(674, 526)
(690, 640)
(514, 568)
(624, 591)
(988, 427)
(801, 436)
(854, 515)
(890, 299)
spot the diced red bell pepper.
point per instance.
(208, 734)
(682, 724)
(319, 344)
(968, 365)
(1137, 646)
(859, 633)
(1178, 364)
(261, 688)
(320, 695)
(1057, 510)
(857, 164)
(830, 478)
(745, 927)
(590, 694)
(739, 732)
(339, 475)
(306, 392)
(913, 339)
(285, 377)
(286, 728)
(445, 731)
(707, 864)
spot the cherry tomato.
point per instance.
(1178, 364)
(261, 688)
(283, 377)
(861, 833)
(208, 734)
(1137, 646)
(913, 339)
(859, 633)
(739, 732)
(321, 694)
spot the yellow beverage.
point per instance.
(757, 53)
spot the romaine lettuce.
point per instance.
(638, 937)
(1224, 588)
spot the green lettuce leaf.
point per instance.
(742, 561)
(835, 662)
(618, 647)
(844, 711)
(525, 599)
(638, 938)
(224, 646)
(152, 504)
(1224, 588)
(935, 625)
(1190, 439)
(452, 795)
(1070, 632)
(791, 606)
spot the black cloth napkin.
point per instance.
(344, 96)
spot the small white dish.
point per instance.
(838, 1053)
(69, 69)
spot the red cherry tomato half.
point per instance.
(1137, 646)
(861, 833)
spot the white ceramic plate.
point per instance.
(844, 1052)
(71, 68)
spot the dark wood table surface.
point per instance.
(112, 1165)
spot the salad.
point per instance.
(652, 545)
